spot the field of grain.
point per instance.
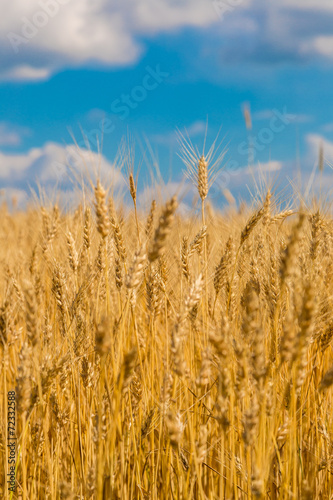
(167, 356)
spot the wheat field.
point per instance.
(157, 355)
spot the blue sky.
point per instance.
(145, 69)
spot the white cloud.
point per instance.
(25, 73)
(287, 31)
(39, 40)
(14, 165)
(315, 141)
(323, 45)
(55, 164)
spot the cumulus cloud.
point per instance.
(26, 73)
(45, 35)
(41, 37)
(289, 31)
(53, 165)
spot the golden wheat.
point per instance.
(195, 364)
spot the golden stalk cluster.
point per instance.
(156, 357)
